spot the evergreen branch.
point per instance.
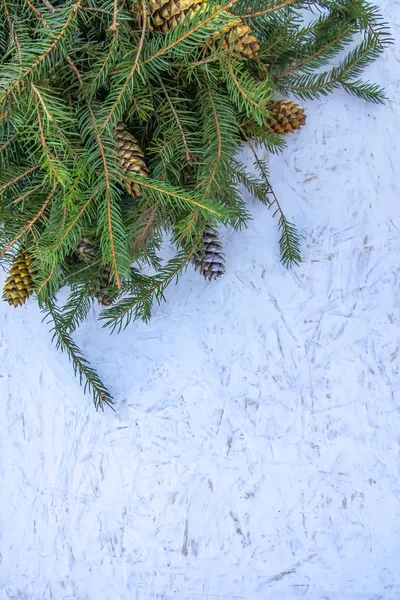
(18, 84)
(18, 177)
(133, 70)
(12, 29)
(49, 5)
(268, 11)
(250, 95)
(8, 142)
(139, 306)
(28, 193)
(42, 102)
(242, 91)
(177, 120)
(76, 71)
(219, 149)
(38, 14)
(29, 226)
(78, 305)
(108, 198)
(64, 342)
(46, 151)
(141, 241)
(181, 198)
(92, 89)
(46, 281)
(289, 243)
(309, 86)
(299, 65)
(189, 33)
(114, 25)
(73, 223)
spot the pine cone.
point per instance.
(210, 260)
(239, 36)
(107, 290)
(286, 117)
(84, 253)
(131, 155)
(166, 14)
(19, 284)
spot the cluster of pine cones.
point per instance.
(285, 117)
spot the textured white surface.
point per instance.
(255, 450)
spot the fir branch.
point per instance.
(167, 194)
(38, 14)
(289, 243)
(48, 278)
(219, 147)
(190, 32)
(29, 226)
(109, 201)
(64, 342)
(49, 5)
(320, 52)
(310, 86)
(18, 177)
(188, 156)
(138, 306)
(142, 240)
(132, 71)
(18, 84)
(28, 193)
(72, 224)
(12, 29)
(8, 142)
(269, 10)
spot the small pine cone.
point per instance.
(210, 260)
(286, 117)
(240, 37)
(84, 253)
(107, 291)
(131, 156)
(166, 14)
(19, 284)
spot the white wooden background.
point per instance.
(255, 449)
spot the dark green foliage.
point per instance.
(71, 70)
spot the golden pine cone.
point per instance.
(210, 259)
(107, 290)
(131, 155)
(286, 117)
(166, 14)
(240, 37)
(19, 284)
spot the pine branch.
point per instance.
(29, 225)
(176, 198)
(135, 66)
(18, 85)
(85, 372)
(289, 243)
(268, 11)
(188, 155)
(151, 289)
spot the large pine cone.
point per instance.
(166, 14)
(240, 37)
(210, 260)
(131, 155)
(286, 117)
(19, 284)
